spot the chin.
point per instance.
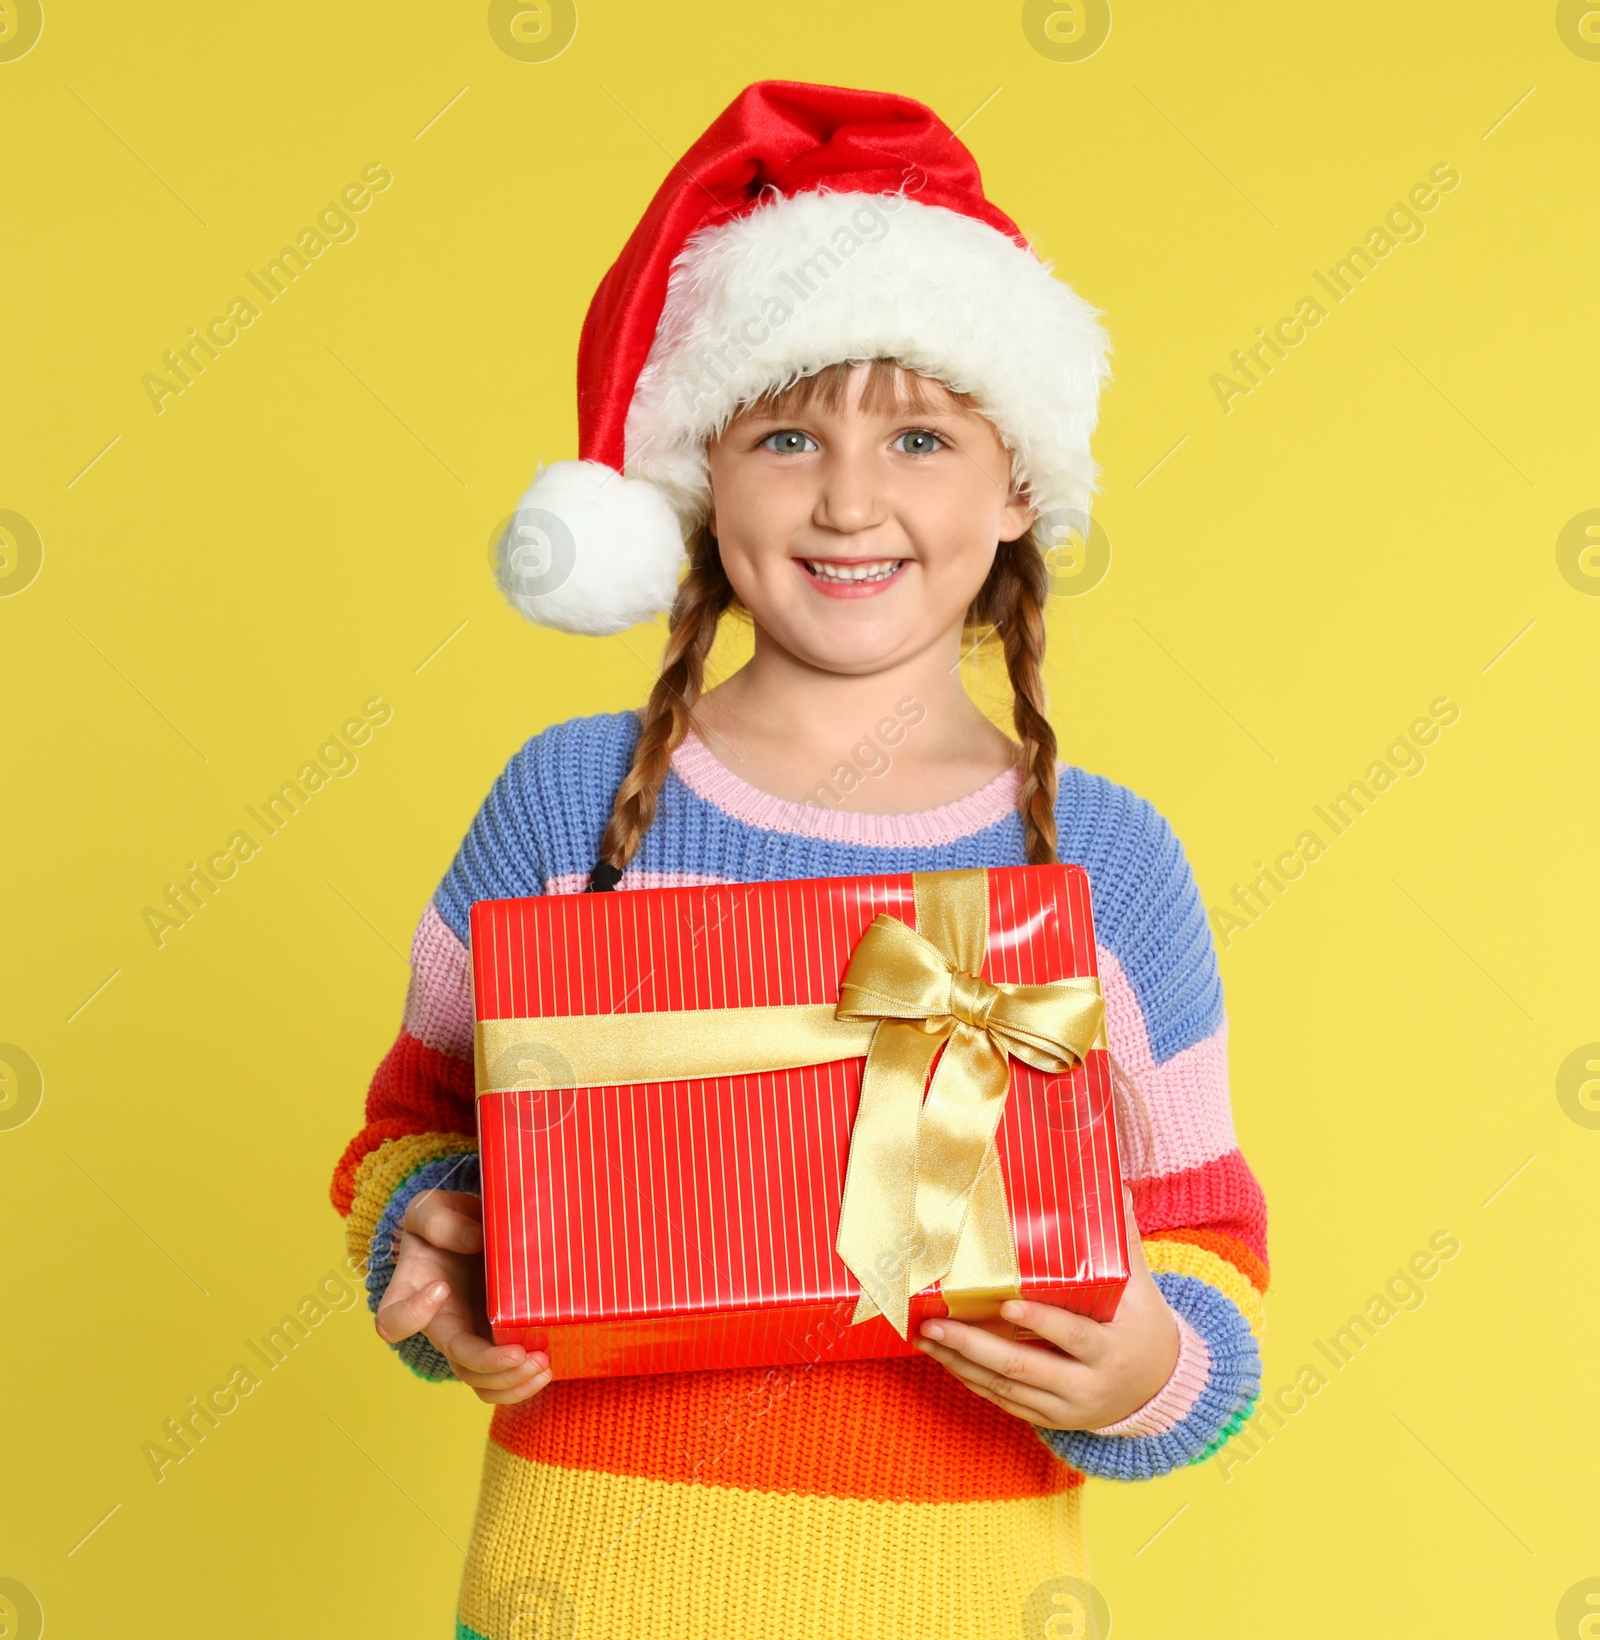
(854, 648)
(852, 664)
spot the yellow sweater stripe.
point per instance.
(556, 1550)
(1181, 1258)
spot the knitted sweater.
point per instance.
(870, 1498)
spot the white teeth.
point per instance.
(874, 569)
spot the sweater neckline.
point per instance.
(712, 780)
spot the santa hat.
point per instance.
(810, 225)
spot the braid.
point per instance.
(1012, 602)
(691, 630)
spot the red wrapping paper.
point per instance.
(669, 1226)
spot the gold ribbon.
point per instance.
(923, 1197)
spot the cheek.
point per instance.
(755, 575)
(754, 548)
(756, 516)
(955, 517)
(956, 549)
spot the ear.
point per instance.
(1016, 517)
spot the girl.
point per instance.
(826, 363)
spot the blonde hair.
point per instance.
(1010, 605)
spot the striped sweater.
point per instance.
(847, 1498)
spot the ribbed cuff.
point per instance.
(1170, 1404)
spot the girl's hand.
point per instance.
(437, 1289)
(1109, 1368)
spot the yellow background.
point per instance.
(306, 525)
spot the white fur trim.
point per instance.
(817, 278)
(590, 551)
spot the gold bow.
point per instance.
(924, 1200)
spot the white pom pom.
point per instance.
(590, 551)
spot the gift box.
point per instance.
(756, 1124)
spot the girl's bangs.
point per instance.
(890, 389)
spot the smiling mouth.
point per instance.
(857, 573)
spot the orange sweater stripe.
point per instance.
(899, 1430)
(1226, 1247)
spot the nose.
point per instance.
(850, 499)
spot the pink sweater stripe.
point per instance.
(438, 1009)
(1187, 1119)
(719, 786)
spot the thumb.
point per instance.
(407, 1311)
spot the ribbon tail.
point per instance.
(954, 1138)
(984, 1274)
(877, 1218)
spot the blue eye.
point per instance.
(925, 442)
(790, 442)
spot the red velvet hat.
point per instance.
(809, 225)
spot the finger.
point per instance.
(1028, 1415)
(524, 1372)
(436, 1216)
(510, 1397)
(409, 1311)
(1026, 1363)
(1050, 1413)
(1080, 1337)
(1023, 1400)
(467, 1351)
(468, 1202)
